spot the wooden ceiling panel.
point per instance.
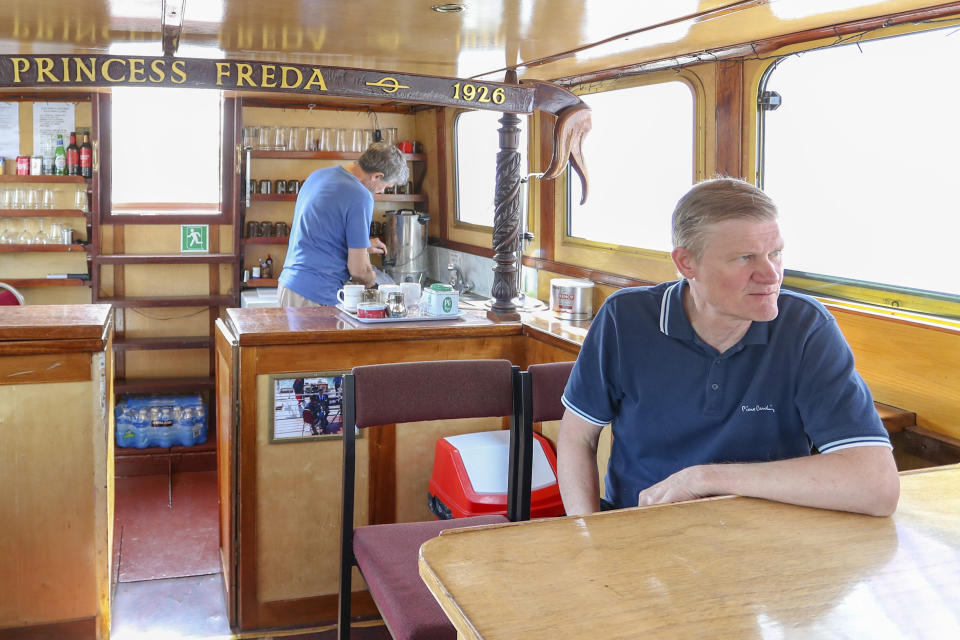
(545, 39)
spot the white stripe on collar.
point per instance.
(665, 307)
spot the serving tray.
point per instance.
(353, 316)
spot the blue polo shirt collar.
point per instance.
(674, 321)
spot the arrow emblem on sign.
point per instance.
(388, 84)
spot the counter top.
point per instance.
(85, 326)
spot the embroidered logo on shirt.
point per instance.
(744, 408)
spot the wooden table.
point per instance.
(722, 567)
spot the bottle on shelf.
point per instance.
(60, 158)
(268, 267)
(73, 156)
(86, 157)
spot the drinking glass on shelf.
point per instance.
(6, 198)
(343, 139)
(281, 138)
(330, 139)
(33, 199)
(356, 140)
(19, 198)
(367, 139)
(80, 200)
(295, 139)
(56, 232)
(41, 236)
(49, 200)
(26, 235)
(309, 139)
(390, 135)
(7, 235)
(265, 137)
(251, 137)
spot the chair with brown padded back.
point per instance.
(541, 387)
(387, 554)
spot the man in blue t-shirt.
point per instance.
(721, 383)
(330, 235)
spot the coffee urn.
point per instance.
(405, 234)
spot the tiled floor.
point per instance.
(167, 561)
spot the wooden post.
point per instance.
(506, 218)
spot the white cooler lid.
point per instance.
(486, 458)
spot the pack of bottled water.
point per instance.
(160, 421)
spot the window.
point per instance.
(640, 155)
(165, 150)
(477, 145)
(861, 158)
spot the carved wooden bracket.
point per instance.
(573, 123)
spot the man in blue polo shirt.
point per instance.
(330, 236)
(721, 383)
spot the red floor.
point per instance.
(156, 537)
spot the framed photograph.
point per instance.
(306, 407)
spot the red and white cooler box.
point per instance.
(470, 476)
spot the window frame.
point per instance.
(890, 298)
(651, 265)
(173, 213)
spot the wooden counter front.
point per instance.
(56, 470)
(715, 568)
(280, 502)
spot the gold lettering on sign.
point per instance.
(44, 65)
(157, 67)
(284, 83)
(223, 70)
(388, 84)
(177, 68)
(105, 70)
(90, 72)
(267, 72)
(244, 71)
(316, 79)
(136, 70)
(20, 65)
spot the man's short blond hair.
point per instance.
(713, 201)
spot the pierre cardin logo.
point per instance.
(753, 408)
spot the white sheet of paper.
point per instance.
(9, 129)
(54, 118)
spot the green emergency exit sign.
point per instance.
(195, 237)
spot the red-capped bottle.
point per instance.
(73, 156)
(86, 157)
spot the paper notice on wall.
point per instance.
(50, 119)
(9, 129)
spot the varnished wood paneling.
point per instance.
(54, 322)
(729, 118)
(908, 365)
(51, 367)
(382, 471)
(226, 460)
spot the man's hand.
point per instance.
(685, 484)
(376, 247)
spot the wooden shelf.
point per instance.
(378, 197)
(46, 282)
(176, 342)
(281, 240)
(170, 301)
(163, 385)
(259, 283)
(172, 258)
(43, 213)
(45, 179)
(42, 248)
(209, 445)
(323, 155)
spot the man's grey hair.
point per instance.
(385, 158)
(713, 201)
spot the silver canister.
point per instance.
(66, 236)
(571, 299)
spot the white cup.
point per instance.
(349, 296)
(385, 290)
(411, 293)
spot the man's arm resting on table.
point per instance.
(358, 264)
(577, 464)
(858, 479)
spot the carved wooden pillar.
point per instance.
(506, 218)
